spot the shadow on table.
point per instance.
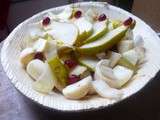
(145, 105)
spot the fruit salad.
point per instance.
(82, 53)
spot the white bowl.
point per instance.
(15, 42)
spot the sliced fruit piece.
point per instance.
(104, 72)
(91, 14)
(106, 42)
(80, 71)
(99, 29)
(138, 41)
(59, 71)
(51, 49)
(125, 45)
(141, 54)
(65, 14)
(124, 62)
(64, 49)
(110, 26)
(45, 82)
(40, 45)
(91, 91)
(89, 62)
(68, 35)
(131, 56)
(85, 29)
(122, 74)
(35, 31)
(52, 16)
(78, 90)
(128, 35)
(101, 55)
(26, 56)
(116, 23)
(48, 37)
(104, 90)
(113, 58)
(35, 68)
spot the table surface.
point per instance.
(145, 105)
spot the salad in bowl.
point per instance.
(82, 53)
(83, 56)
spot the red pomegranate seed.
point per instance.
(73, 79)
(128, 21)
(39, 55)
(78, 14)
(70, 63)
(46, 21)
(102, 17)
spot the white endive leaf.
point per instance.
(104, 90)
(45, 82)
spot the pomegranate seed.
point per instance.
(70, 63)
(102, 17)
(128, 21)
(39, 55)
(46, 21)
(78, 14)
(73, 79)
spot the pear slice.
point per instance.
(26, 56)
(68, 35)
(80, 71)
(131, 56)
(106, 42)
(110, 26)
(99, 29)
(129, 34)
(113, 24)
(78, 90)
(116, 23)
(101, 55)
(89, 62)
(45, 82)
(124, 62)
(40, 45)
(125, 45)
(59, 71)
(35, 31)
(104, 90)
(48, 37)
(35, 68)
(122, 74)
(65, 14)
(64, 50)
(91, 91)
(138, 41)
(51, 49)
(113, 57)
(141, 54)
(91, 14)
(85, 28)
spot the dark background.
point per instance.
(145, 105)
